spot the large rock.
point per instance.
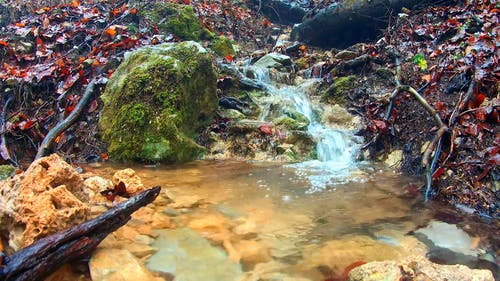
(156, 101)
(45, 199)
(344, 23)
(417, 268)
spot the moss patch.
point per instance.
(156, 101)
(177, 19)
(222, 46)
(6, 171)
(336, 93)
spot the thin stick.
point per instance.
(49, 139)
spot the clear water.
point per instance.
(297, 225)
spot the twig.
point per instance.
(4, 150)
(435, 145)
(47, 142)
(461, 105)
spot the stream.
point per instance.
(295, 233)
(302, 221)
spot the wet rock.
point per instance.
(45, 199)
(338, 254)
(338, 117)
(270, 271)
(187, 201)
(189, 257)
(156, 101)
(346, 55)
(416, 268)
(252, 252)
(140, 250)
(274, 60)
(446, 236)
(394, 159)
(214, 227)
(118, 265)
(131, 180)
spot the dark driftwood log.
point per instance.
(347, 22)
(38, 260)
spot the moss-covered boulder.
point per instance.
(156, 102)
(177, 19)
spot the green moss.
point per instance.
(6, 171)
(336, 93)
(156, 101)
(290, 123)
(177, 19)
(222, 46)
(302, 63)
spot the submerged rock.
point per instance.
(416, 268)
(189, 257)
(156, 101)
(118, 265)
(447, 236)
(45, 199)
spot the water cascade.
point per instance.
(336, 148)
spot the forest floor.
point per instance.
(49, 52)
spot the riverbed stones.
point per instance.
(45, 199)
(339, 254)
(186, 255)
(416, 268)
(118, 265)
(156, 102)
(447, 236)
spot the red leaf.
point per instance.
(266, 128)
(381, 125)
(438, 173)
(229, 58)
(93, 106)
(3, 43)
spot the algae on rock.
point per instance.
(177, 19)
(336, 93)
(156, 101)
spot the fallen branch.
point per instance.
(4, 150)
(47, 254)
(49, 139)
(435, 145)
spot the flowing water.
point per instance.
(310, 220)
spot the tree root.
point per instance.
(435, 145)
(49, 139)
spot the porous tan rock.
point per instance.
(417, 268)
(95, 185)
(132, 181)
(45, 199)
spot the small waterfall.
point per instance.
(336, 148)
